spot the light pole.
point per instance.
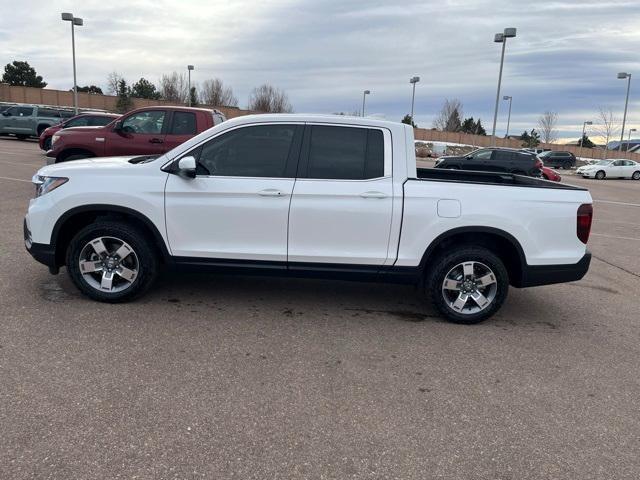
(189, 68)
(623, 75)
(364, 97)
(629, 139)
(508, 97)
(413, 81)
(584, 127)
(500, 38)
(68, 17)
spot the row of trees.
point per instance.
(173, 87)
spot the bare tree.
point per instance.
(174, 87)
(547, 125)
(449, 118)
(607, 126)
(269, 99)
(214, 93)
(113, 81)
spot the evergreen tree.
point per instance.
(409, 121)
(143, 88)
(90, 89)
(193, 95)
(124, 102)
(530, 140)
(586, 142)
(22, 74)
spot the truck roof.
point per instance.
(313, 117)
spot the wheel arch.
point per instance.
(68, 151)
(501, 243)
(73, 220)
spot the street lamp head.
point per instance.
(367, 92)
(622, 75)
(633, 129)
(67, 17)
(189, 67)
(498, 38)
(588, 122)
(509, 32)
(506, 97)
(414, 80)
(78, 21)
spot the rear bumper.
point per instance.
(43, 253)
(535, 275)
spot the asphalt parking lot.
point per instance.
(255, 378)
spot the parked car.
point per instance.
(26, 121)
(556, 159)
(550, 174)
(494, 160)
(89, 119)
(615, 168)
(145, 131)
(307, 195)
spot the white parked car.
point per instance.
(308, 195)
(613, 168)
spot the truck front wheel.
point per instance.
(111, 262)
(467, 284)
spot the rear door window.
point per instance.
(48, 112)
(100, 121)
(502, 156)
(78, 122)
(24, 111)
(183, 123)
(345, 153)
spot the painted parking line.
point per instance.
(614, 236)
(618, 203)
(15, 179)
(22, 164)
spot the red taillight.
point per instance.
(585, 215)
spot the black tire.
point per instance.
(636, 175)
(41, 129)
(566, 166)
(46, 145)
(600, 175)
(447, 262)
(146, 260)
(22, 137)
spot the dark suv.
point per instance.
(556, 159)
(495, 160)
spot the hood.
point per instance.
(95, 165)
(66, 131)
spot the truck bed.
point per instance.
(489, 178)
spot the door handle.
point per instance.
(270, 192)
(373, 195)
(156, 140)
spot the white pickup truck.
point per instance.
(316, 195)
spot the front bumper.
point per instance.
(536, 275)
(43, 253)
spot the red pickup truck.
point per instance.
(145, 131)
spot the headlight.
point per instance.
(47, 184)
(55, 138)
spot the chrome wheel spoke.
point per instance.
(480, 299)
(89, 266)
(460, 302)
(451, 284)
(123, 251)
(126, 273)
(467, 269)
(487, 280)
(107, 281)
(99, 247)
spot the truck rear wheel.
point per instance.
(468, 284)
(111, 262)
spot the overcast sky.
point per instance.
(324, 53)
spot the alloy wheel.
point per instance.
(108, 264)
(469, 287)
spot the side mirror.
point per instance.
(117, 127)
(187, 167)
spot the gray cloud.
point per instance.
(325, 53)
